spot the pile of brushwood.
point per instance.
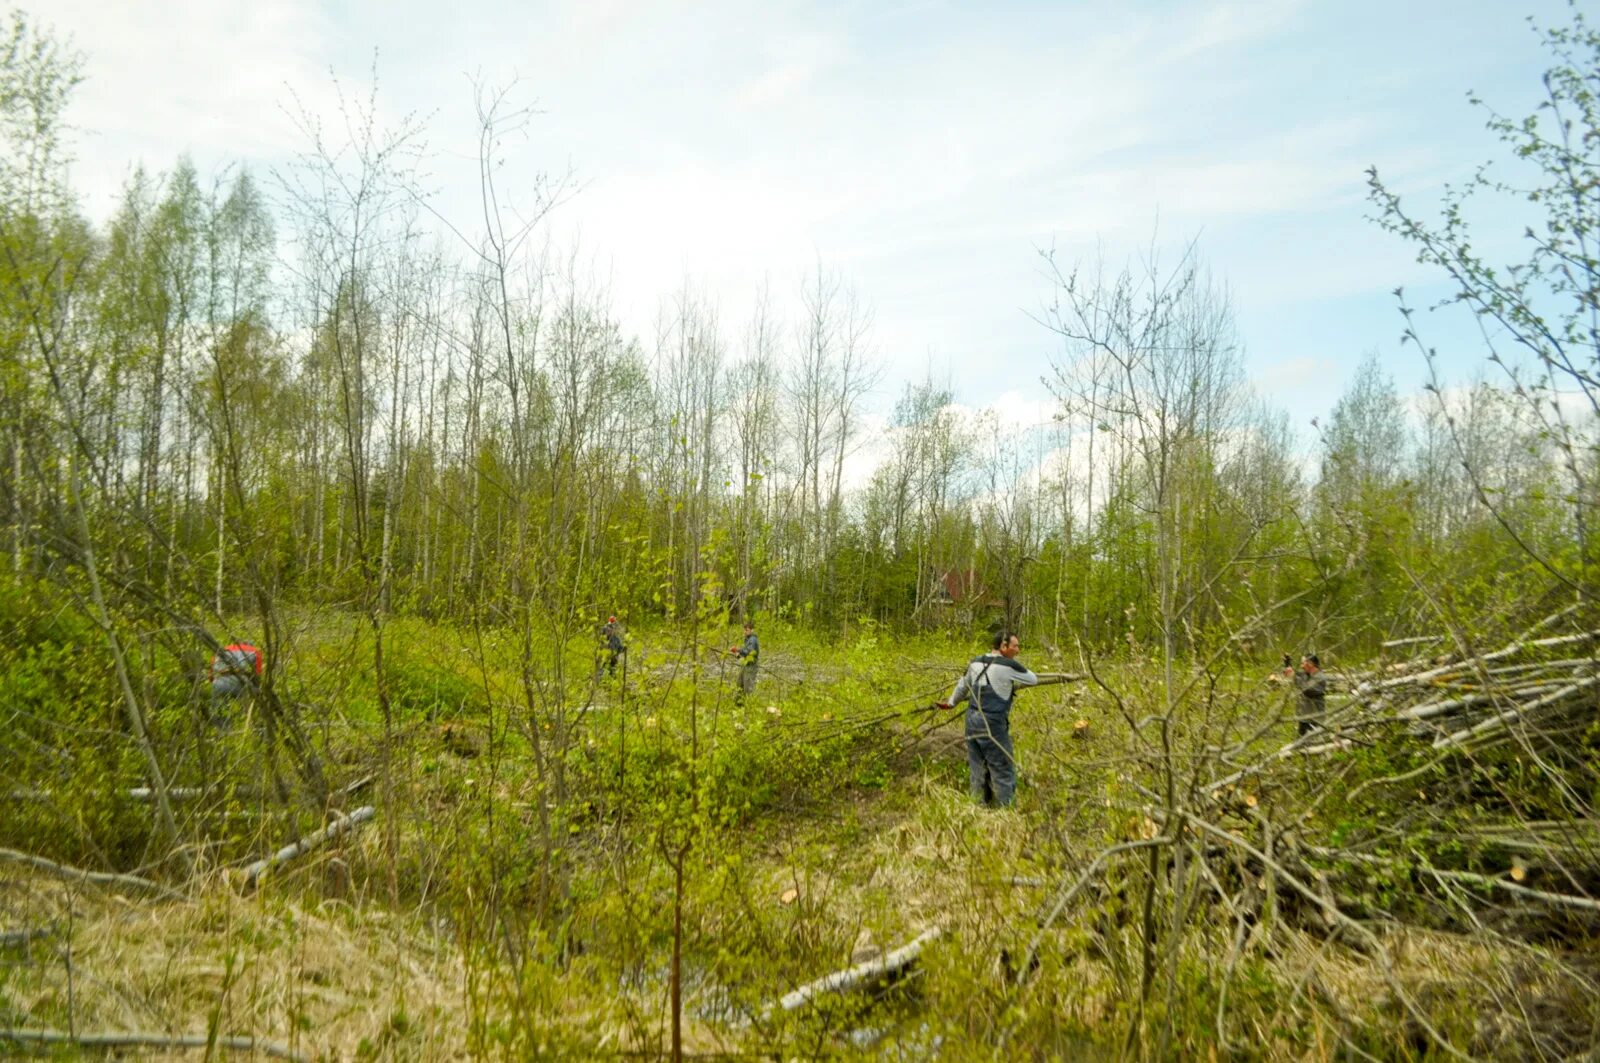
(1510, 736)
(1448, 798)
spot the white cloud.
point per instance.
(188, 76)
(1296, 372)
(778, 84)
(1225, 24)
(1016, 411)
(792, 69)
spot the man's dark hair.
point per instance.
(1003, 636)
(749, 625)
(1313, 659)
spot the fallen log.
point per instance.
(193, 793)
(28, 795)
(15, 939)
(1429, 709)
(1537, 666)
(356, 787)
(136, 1039)
(76, 874)
(254, 873)
(1414, 640)
(1560, 900)
(1503, 720)
(1332, 745)
(176, 793)
(1465, 666)
(840, 981)
(1537, 827)
(138, 793)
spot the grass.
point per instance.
(516, 895)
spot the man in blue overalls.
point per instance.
(988, 686)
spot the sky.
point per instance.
(928, 152)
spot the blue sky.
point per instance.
(925, 150)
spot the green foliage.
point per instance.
(476, 472)
(419, 687)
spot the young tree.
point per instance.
(42, 249)
(1541, 311)
(1171, 394)
(830, 377)
(1172, 398)
(37, 76)
(689, 371)
(1363, 510)
(753, 414)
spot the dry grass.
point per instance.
(330, 979)
(349, 978)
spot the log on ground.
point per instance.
(254, 873)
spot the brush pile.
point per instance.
(1495, 751)
(1545, 687)
(1483, 699)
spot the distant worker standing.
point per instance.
(1313, 686)
(235, 673)
(612, 634)
(749, 655)
(988, 686)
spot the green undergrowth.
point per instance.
(549, 837)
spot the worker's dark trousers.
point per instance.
(747, 680)
(226, 692)
(1310, 714)
(991, 769)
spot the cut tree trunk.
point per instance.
(343, 825)
(99, 878)
(134, 1039)
(860, 974)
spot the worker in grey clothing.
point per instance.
(749, 655)
(988, 686)
(1313, 686)
(611, 634)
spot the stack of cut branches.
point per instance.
(1549, 684)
